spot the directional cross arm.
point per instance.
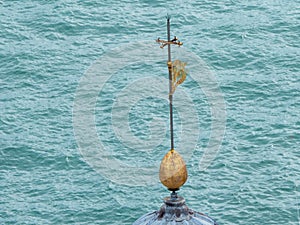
(175, 41)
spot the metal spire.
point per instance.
(171, 89)
(173, 172)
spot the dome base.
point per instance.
(176, 211)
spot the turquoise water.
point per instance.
(46, 47)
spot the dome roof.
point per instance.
(174, 211)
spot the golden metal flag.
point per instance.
(178, 74)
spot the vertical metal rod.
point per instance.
(170, 84)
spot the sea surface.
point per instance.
(47, 48)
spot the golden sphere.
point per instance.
(173, 173)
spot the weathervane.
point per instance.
(173, 173)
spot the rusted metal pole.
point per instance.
(170, 83)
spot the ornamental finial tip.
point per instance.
(173, 173)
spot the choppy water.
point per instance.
(45, 49)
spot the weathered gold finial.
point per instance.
(173, 173)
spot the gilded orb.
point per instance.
(173, 173)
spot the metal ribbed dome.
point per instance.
(174, 211)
